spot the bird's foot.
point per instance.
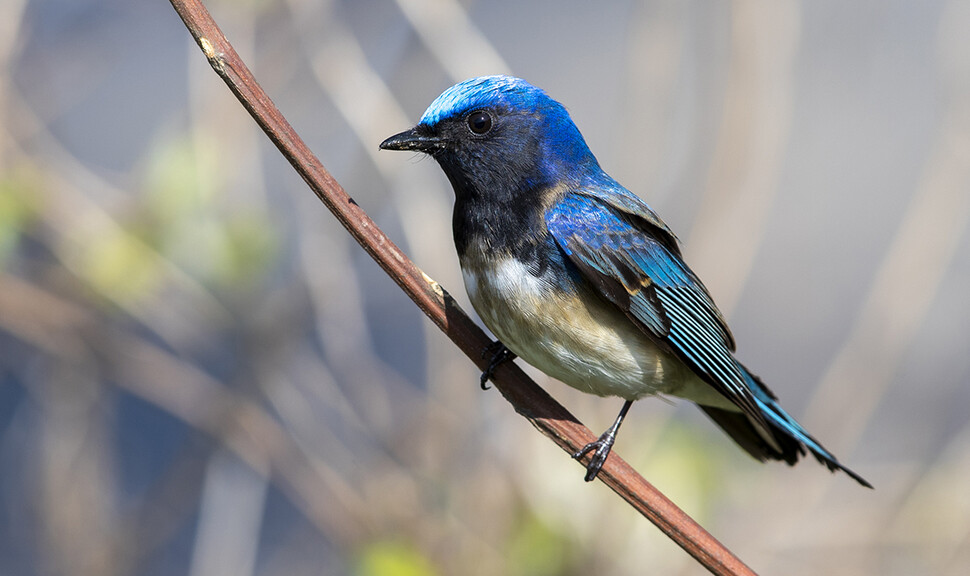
(499, 354)
(600, 449)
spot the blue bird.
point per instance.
(581, 278)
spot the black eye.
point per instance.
(479, 122)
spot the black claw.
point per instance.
(601, 450)
(499, 354)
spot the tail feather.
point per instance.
(740, 428)
(789, 438)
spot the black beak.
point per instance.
(418, 138)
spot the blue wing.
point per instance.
(627, 252)
(633, 260)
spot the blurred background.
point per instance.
(200, 373)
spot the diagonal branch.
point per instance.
(526, 396)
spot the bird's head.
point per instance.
(499, 135)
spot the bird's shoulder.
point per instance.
(607, 196)
(608, 216)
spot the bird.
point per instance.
(579, 277)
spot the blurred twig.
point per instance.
(747, 164)
(526, 397)
(452, 37)
(72, 333)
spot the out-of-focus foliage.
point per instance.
(201, 373)
(393, 559)
(19, 205)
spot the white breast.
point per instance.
(587, 343)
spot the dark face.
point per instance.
(490, 152)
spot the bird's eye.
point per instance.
(479, 122)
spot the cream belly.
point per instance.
(590, 345)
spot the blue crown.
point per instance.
(483, 92)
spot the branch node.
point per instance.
(216, 60)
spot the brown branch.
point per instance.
(526, 396)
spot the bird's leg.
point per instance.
(601, 447)
(499, 354)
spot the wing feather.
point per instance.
(629, 255)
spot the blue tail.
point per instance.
(784, 440)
